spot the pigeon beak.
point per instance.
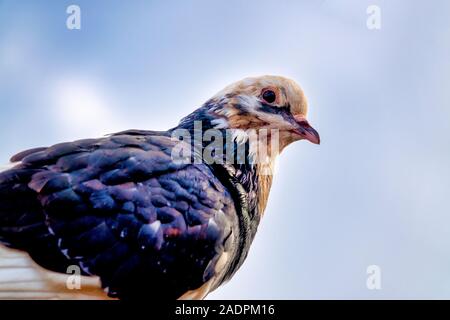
(305, 131)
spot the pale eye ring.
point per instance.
(269, 96)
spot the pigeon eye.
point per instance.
(269, 96)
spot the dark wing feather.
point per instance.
(120, 208)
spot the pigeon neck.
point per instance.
(231, 150)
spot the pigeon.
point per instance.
(148, 214)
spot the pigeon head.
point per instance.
(266, 102)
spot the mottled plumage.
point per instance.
(123, 210)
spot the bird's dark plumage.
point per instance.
(120, 208)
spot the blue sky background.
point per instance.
(376, 191)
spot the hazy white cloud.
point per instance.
(82, 108)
